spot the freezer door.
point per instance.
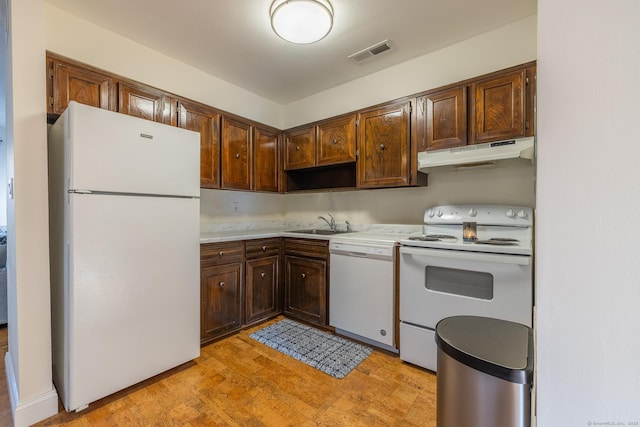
(112, 152)
(133, 292)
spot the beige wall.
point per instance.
(28, 362)
(587, 234)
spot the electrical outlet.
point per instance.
(235, 206)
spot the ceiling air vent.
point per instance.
(374, 50)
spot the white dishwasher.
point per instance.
(362, 291)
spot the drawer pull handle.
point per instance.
(264, 248)
(262, 274)
(303, 275)
(221, 253)
(221, 284)
(382, 146)
(297, 148)
(237, 156)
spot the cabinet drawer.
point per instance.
(221, 253)
(307, 247)
(262, 247)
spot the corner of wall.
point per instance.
(32, 410)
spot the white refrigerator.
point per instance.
(124, 246)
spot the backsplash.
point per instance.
(511, 182)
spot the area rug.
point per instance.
(331, 354)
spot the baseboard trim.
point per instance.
(32, 410)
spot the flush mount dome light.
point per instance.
(301, 21)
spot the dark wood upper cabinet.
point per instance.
(265, 157)
(336, 141)
(236, 155)
(442, 119)
(384, 144)
(203, 119)
(300, 148)
(69, 82)
(146, 102)
(498, 107)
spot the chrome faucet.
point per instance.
(332, 223)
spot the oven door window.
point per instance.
(473, 284)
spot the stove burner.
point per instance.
(442, 236)
(498, 241)
(425, 238)
(434, 237)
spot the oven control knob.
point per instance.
(439, 213)
(522, 214)
(430, 213)
(511, 213)
(473, 212)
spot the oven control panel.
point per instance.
(519, 216)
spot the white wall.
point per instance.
(498, 49)
(588, 233)
(81, 40)
(239, 206)
(28, 362)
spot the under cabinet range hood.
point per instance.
(477, 155)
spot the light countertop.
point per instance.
(381, 233)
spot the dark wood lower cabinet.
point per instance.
(306, 268)
(239, 285)
(262, 285)
(221, 276)
(221, 299)
(306, 292)
(261, 299)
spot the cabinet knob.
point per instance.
(237, 156)
(221, 284)
(221, 253)
(334, 142)
(264, 248)
(297, 148)
(303, 275)
(382, 146)
(263, 274)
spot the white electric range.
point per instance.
(471, 260)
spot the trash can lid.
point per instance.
(499, 348)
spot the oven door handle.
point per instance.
(469, 256)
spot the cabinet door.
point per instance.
(221, 300)
(236, 154)
(205, 120)
(442, 119)
(72, 83)
(300, 149)
(383, 137)
(306, 289)
(145, 102)
(337, 141)
(265, 156)
(498, 108)
(261, 296)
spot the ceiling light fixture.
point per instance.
(301, 21)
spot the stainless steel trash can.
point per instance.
(485, 372)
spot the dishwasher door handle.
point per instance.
(356, 254)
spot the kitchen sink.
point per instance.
(319, 231)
